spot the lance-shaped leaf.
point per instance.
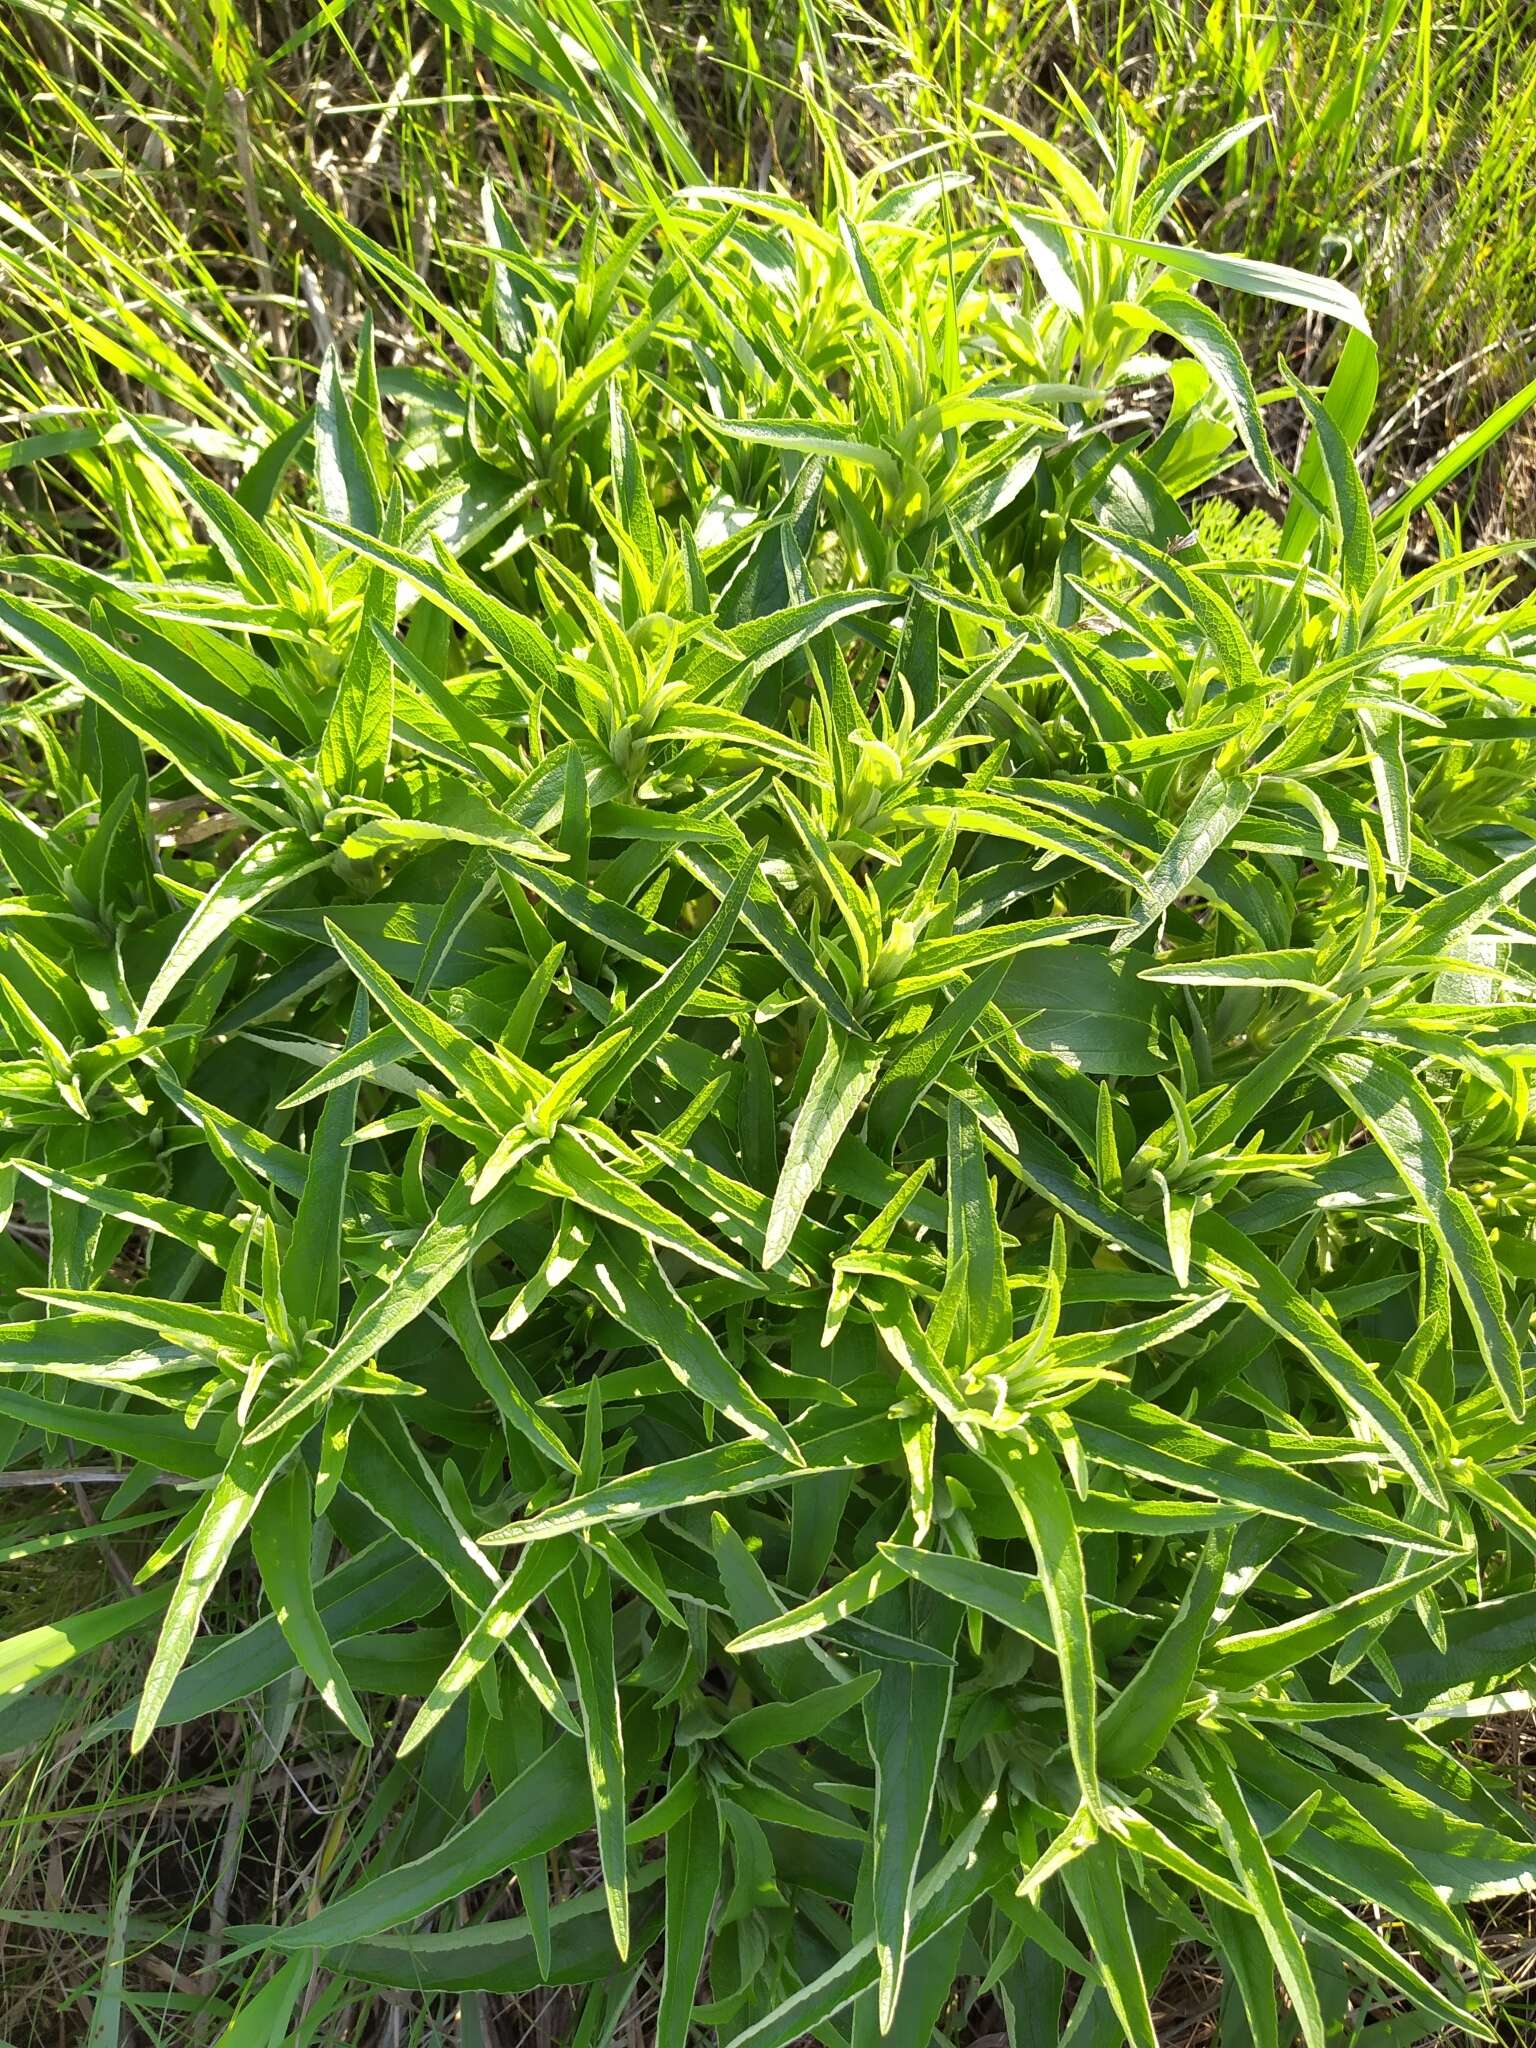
(260, 872)
(530, 1578)
(586, 1620)
(904, 1721)
(693, 1881)
(281, 1530)
(840, 1081)
(1250, 1858)
(353, 756)
(1401, 1116)
(1033, 1478)
(449, 1241)
(633, 1286)
(1228, 1258)
(221, 1521)
(1218, 808)
(546, 1806)
(212, 750)
(311, 1273)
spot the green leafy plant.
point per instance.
(812, 1134)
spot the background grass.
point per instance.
(176, 181)
(172, 173)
